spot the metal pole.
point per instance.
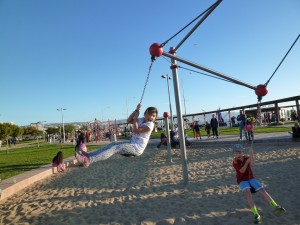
(183, 97)
(209, 70)
(180, 123)
(172, 122)
(62, 121)
(166, 120)
(63, 126)
(169, 78)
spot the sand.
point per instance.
(148, 190)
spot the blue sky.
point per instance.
(92, 57)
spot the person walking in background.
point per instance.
(207, 128)
(241, 118)
(197, 131)
(214, 126)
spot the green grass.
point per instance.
(233, 131)
(19, 160)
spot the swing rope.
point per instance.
(259, 98)
(258, 113)
(282, 60)
(148, 75)
(164, 43)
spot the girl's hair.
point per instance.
(172, 133)
(58, 158)
(151, 110)
(162, 135)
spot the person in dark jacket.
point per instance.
(214, 126)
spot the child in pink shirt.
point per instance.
(58, 161)
(249, 128)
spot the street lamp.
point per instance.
(62, 121)
(169, 78)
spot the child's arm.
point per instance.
(134, 114)
(243, 169)
(137, 129)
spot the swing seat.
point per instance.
(128, 155)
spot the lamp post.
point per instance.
(169, 78)
(62, 121)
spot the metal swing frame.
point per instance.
(174, 68)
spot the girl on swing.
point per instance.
(142, 128)
(245, 178)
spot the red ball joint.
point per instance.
(156, 50)
(172, 51)
(173, 67)
(261, 90)
(166, 115)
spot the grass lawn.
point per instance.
(233, 131)
(19, 160)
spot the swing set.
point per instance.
(156, 50)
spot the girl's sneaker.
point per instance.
(279, 210)
(257, 219)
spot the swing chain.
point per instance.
(146, 82)
(258, 111)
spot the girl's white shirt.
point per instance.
(140, 141)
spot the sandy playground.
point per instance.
(148, 190)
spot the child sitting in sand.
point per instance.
(245, 178)
(142, 129)
(58, 161)
(163, 140)
(175, 139)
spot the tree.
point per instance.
(69, 129)
(5, 131)
(52, 130)
(16, 131)
(33, 131)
